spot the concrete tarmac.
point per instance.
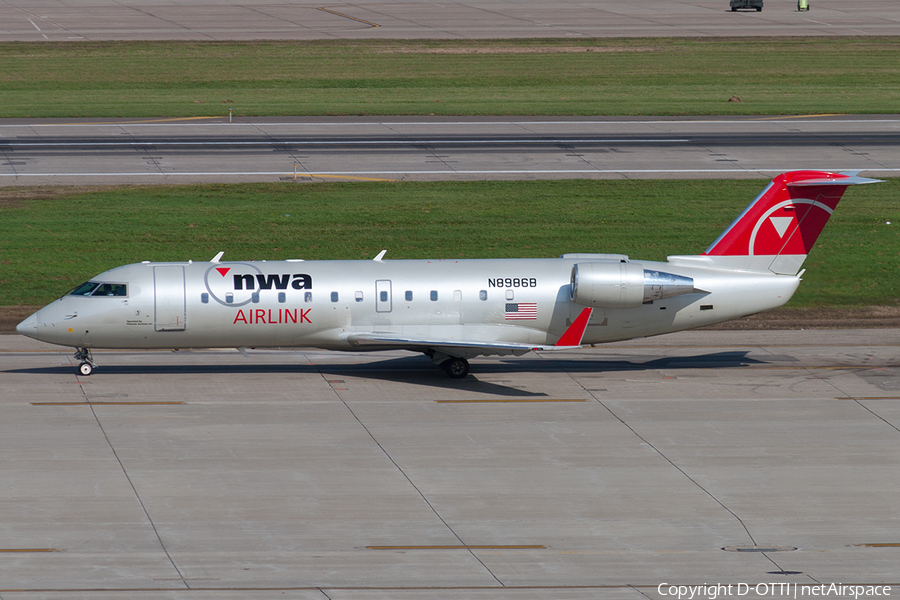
(706, 457)
(52, 152)
(93, 20)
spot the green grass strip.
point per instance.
(52, 239)
(678, 76)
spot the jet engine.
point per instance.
(624, 284)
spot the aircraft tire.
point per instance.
(85, 369)
(456, 368)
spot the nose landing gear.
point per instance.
(87, 362)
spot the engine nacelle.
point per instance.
(624, 285)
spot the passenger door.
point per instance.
(168, 298)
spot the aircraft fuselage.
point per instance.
(320, 303)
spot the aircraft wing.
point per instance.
(569, 340)
(375, 341)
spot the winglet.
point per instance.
(380, 255)
(574, 334)
(218, 257)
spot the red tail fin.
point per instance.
(780, 227)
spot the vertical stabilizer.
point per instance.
(778, 229)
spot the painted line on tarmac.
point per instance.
(508, 400)
(748, 171)
(104, 403)
(436, 123)
(798, 117)
(204, 144)
(334, 12)
(145, 122)
(322, 176)
(459, 547)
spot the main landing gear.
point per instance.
(456, 367)
(87, 362)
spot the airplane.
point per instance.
(451, 310)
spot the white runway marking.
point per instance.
(256, 125)
(444, 172)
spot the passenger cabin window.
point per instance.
(357, 295)
(334, 296)
(307, 297)
(409, 295)
(482, 295)
(282, 297)
(434, 295)
(457, 295)
(204, 298)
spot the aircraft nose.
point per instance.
(28, 326)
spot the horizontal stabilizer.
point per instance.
(854, 180)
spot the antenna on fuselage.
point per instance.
(380, 255)
(217, 257)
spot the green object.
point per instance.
(687, 76)
(802, 4)
(54, 238)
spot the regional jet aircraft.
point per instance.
(451, 310)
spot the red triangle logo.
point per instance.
(223, 271)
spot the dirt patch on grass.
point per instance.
(865, 317)
(13, 197)
(518, 50)
(869, 317)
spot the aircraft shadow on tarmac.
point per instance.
(418, 370)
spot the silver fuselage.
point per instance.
(323, 303)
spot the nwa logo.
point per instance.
(298, 281)
(241, 283)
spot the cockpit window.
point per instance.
(92, 288)
(110, 289)
(84, 289)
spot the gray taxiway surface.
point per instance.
(62, 20)
(702, 457)
(440, 148)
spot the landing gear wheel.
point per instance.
(456, 368)
(87, 362)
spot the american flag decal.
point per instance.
(521, 311)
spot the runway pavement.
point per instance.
(41, 152)
(706, 457)
(92, 20)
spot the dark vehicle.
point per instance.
(749, 4)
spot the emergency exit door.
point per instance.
(383, 295)
(168, 298)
